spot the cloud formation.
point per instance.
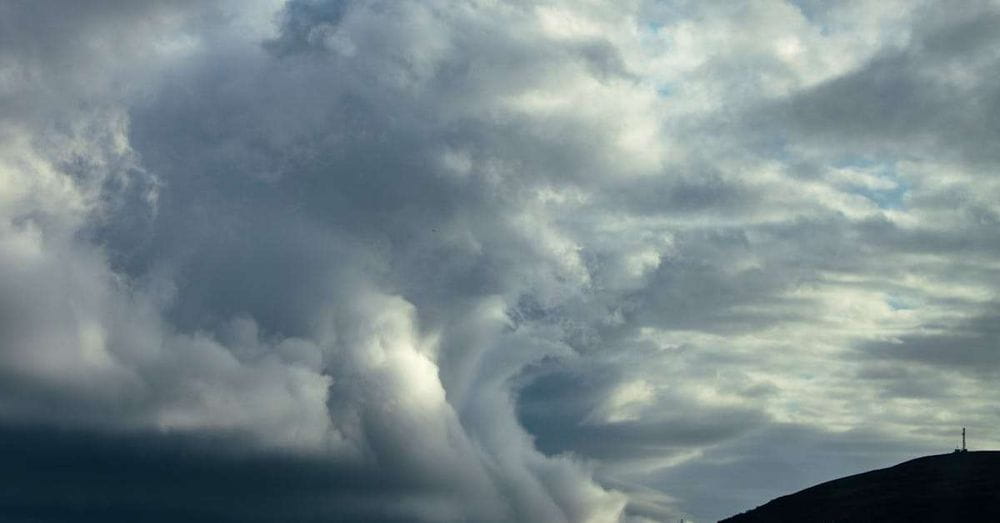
(466, 260)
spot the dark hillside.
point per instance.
(947, 487)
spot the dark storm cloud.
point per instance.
(61, 475)
(297, 197)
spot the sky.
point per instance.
(480, 260)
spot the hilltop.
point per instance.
(946, 487)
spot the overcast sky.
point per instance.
(478, 260)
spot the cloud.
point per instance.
(437, 260)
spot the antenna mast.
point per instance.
(963, 439)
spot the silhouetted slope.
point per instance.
(947, 487)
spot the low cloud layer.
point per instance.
(474, 261)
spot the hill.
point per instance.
(947, 487)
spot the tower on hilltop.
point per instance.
(963, 443)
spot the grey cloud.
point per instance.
(472, 261)
(928, 97)
(304, 25)
(557, 431)
(969, 344)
